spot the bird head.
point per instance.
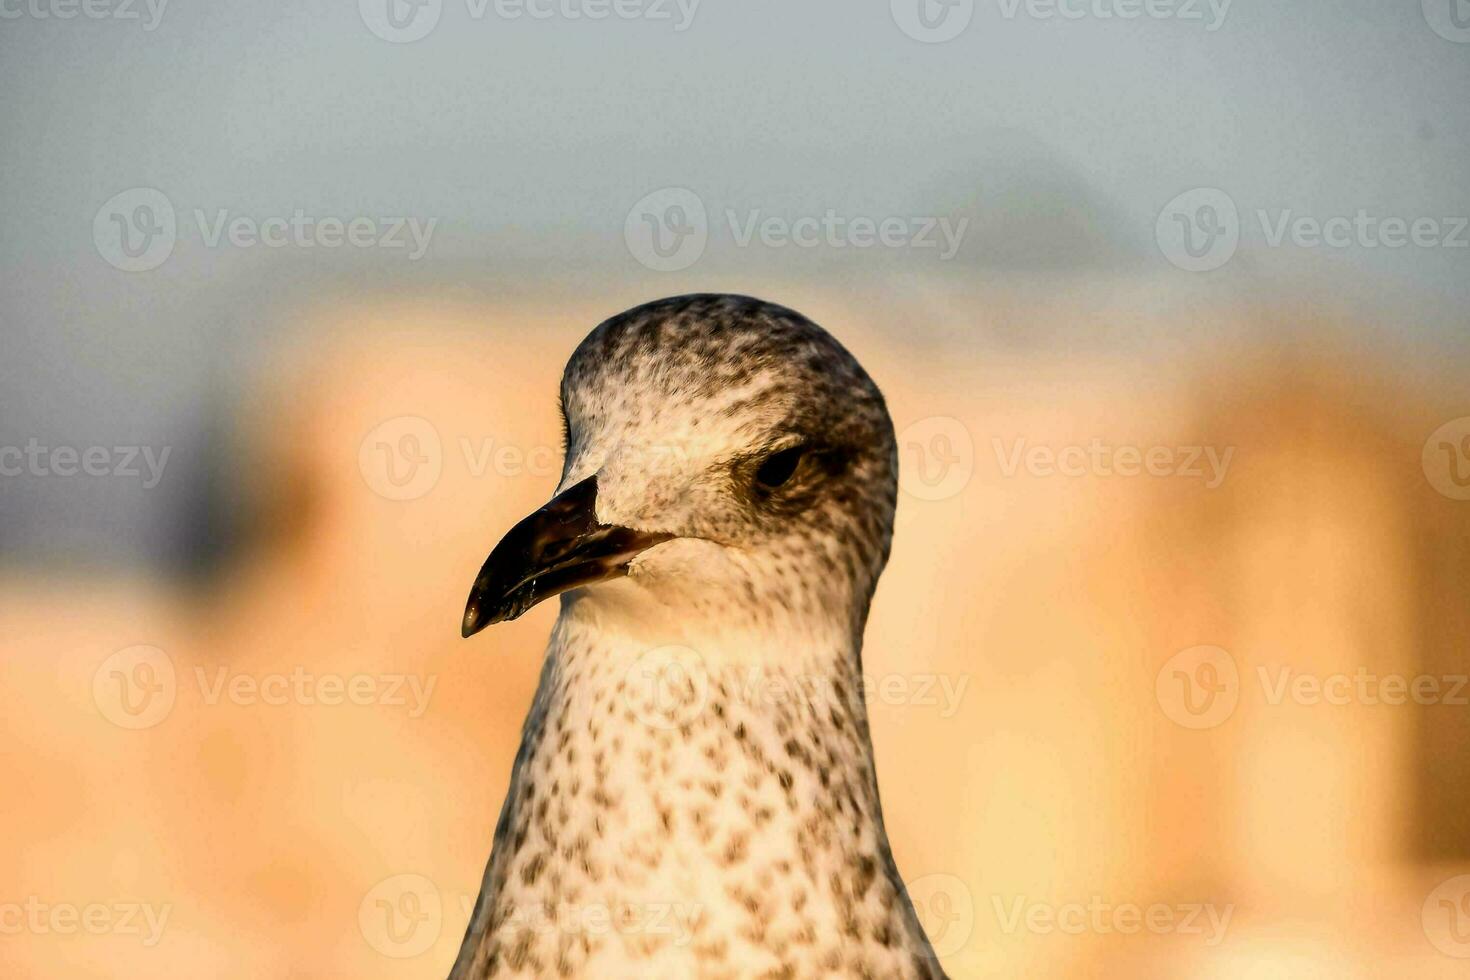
(725, 457)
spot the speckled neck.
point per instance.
(686, 813)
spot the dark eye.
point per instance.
(778, 467)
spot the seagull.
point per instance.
(695, 793)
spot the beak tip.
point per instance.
(472, 622)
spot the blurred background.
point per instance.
(1171, 306)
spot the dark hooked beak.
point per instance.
(559, 547)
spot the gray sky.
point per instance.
(528, 140)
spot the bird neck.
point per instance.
(752, 733)
(714, 801)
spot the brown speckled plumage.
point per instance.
(694, 796)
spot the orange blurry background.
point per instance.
(1032, 748)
